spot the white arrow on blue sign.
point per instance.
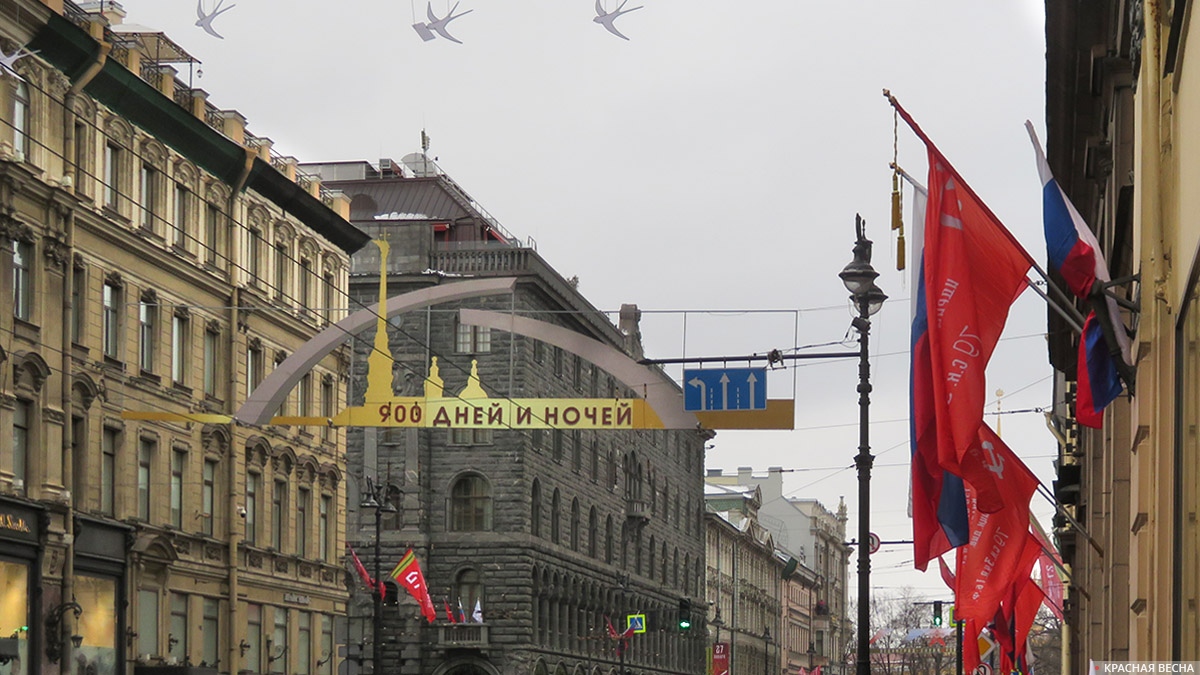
(712, 389)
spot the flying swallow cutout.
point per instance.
(436, 25)
(606, 19)
(206, 20)
(8, 62)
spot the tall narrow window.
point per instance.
(302, 499)
(179, 347)
(78, 298)
(148, 624)
(323, 528)
(254, 256)
(208, 494)
(210, 628)
(535, 510)
(254, 638)
(179, 223)
(326, 668)
(326, 408)
(212, 230)
(21, 120)
(555, 515)
(330, 304)
(149, 194)
(22, 280)
(83, 160)
(112, 171)
(281, 270)
(145, 458)
(212, 350)
(108, 471)
(304, 643)
(254, 366)
(304, 283)
(278, 509)
(177, 638)
(112, 321)
(471, 505)
(304, 394)
(278, 656)
(178, 466)
(148, 334)
(22, 442)
(252, 489)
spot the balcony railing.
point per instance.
(637, 508)
(463, 635)
(479, 261)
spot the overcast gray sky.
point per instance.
(715, 161)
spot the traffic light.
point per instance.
(937, 613)
(685, 614)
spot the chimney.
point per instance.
(712, 473)
(630, 317)
(744, 474)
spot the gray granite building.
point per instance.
(540, 536)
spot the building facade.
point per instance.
(160, 260)
(542, 537)
(816, 537)
(1121, 117)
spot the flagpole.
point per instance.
(916, 128)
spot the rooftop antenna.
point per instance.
(425, 149)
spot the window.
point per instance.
(177, 639)
(22, 280)
(212, 230)
(535, 513)
(112, 172)
(608, 540)
(183, 201)
(326, 668)
(254, 257)
(468, 590)
(558, 361)
(178, 466)
(254, 366)
(278, 509)
(304, 644)
(208, 494)
(112, 321)
(302, 499)
(577, 372)
(212, 351)
(539, 351)
(304, 394)
(555, 517)
(471, 505)
(576, 451)
(253, 662)
(21, 120)
(330, 304)
(149, 193)
(278, 653)
(108, 471)
(323, 527)
(281, 270)
(304, 283)
(595, 457)
(472, 339)
(22, 440)
(210, 628)
(148, 333)
(147, 625)
(537, 439)
(470, 436)
(145, 458)
(179, 347)
(83, 163)
(326, 408)
(252, 488)
(78, 296)
(593, 525)
(575, 524)
(556, 440)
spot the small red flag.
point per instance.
(376, 587)
(449, 614)
(408, 574)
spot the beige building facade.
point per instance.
(161, 260)
(1123, 110)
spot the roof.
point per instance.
(379, 198)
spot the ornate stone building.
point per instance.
(161, 258)
(541, 536)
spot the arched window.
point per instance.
(468, 591)
(608, 540)
(21, 119)
(593, 525)
(575, 524)
(555, 518)
(535, 513)
(471, 504)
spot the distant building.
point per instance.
(157, 261)
(550, 533)
(817, 538)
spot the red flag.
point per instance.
(947, 575)
(970, 646)
(1049, 562)
(408, 574)
(989, 564)
(449, 614)
(376, 587)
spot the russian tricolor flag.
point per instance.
(1074, 253)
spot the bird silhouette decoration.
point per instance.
(206, 20)
(8, 62)
(606, 19)
(436, 25)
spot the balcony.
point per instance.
(463, 636)
(637, 509)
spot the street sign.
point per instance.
(711, 389)
(873, 543)
(636, 622)
(982, 669)
(986, 645)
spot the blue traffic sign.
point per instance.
(725, 389)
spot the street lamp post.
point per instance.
(376, 498)
(859, 277)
